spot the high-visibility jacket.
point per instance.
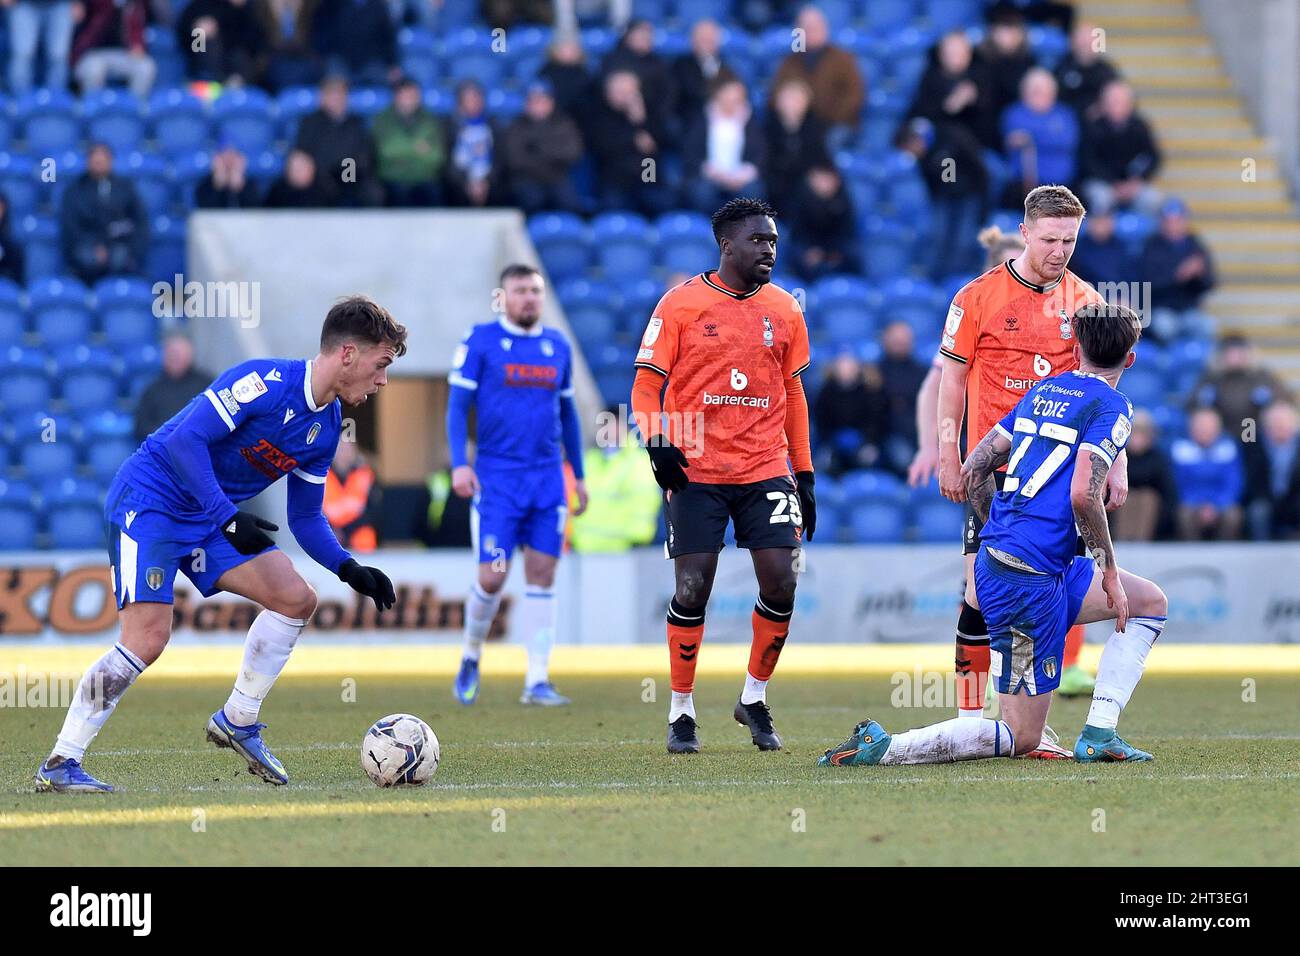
(624, 504)
(347, 506)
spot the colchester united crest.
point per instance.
(1049, 668)
(154, 578)
(313, 432)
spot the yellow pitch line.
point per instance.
(287, 811)
(640, 660)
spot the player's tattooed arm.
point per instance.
(1086, 498)
(977, 473)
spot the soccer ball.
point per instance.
(399, 750)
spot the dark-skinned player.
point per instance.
(720, 403)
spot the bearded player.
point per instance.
(1006, 331)
(726, 350)
(174, 506)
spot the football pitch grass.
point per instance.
(592, 784)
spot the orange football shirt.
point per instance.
(727, 357)
(1013, 334)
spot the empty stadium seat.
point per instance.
(59, 311)
(13, 317)
(105, 457)
(20, 526)
(20, 184)
(179, 122)
(76, 526)
(623, 243)
(71, 492)
(115, 117)
(24, 385)
(876, 521)
(20, 494)
(562, 241)
(166, 257)
(937, 520)
(685, 241)
(88, 389)
(245, 118)
(468, 54)
(149, 174)
(48, 121)
(44, 460)
(39, 236)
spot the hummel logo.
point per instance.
(130, 516)
(274, 375)
(288, 414)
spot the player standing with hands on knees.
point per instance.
(726, 349)
(1058, 444)
(520, 376)
(1006, 331)
(174, 507)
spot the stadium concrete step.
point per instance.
(1205, 133)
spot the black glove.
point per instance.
(371, 582)
(807, 502)
(248, 533)
(668, 462)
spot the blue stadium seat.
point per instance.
(1145, 388)
(49, 121)
(689, 11)
(839, 308)
(20, 527)
(83, 358)
(46, 460)
(562, 241)
(126, 325)
(35, 425)
(188, 169)
(367, 101)
(624, 247)
(526, 52)
(503, 105)
(76, 526)
(873, 484)
(615, 384)
(179, 122)
(40, 238)
(149, 174)
(16, 494)
(294, 103)
(115, 117)
(591, 323)
(24, 384)
(598, 41)
(685, 241)
(13, 317)
(105, 457)
(7, 135)
(1049, 44)
(246, 118)
(950, 14)
(106, 424)
(637, 300)
(87, 390)
(58, 306)
(937, 520)
(20, 184)
(71, 492)
(888, 16)
(141, 363)
(886, 250)
(166, 256)
(467, 54)
(876, 521)
(422, 64)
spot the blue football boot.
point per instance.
(465, 689)
(67, 776)
(866, 746)
(248, 743)
(1102, 745)
(543, 694)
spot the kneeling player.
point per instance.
(172, 507)
(1030, 585)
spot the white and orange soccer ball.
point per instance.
(400, 750)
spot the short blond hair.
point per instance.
(998, 245)
(1052, 202)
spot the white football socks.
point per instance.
(681, 704)
(266, 650)
(538, 619)
(755, 691)
(1122, 662)
(957, 739)
(480, 609)
(101, 687)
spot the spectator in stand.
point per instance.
(796, 142)
(30, 21)
(1099, 256)
(1150, 512)
(109, 45)
(952, 162)
(12, 260)
(831, 71)
(623, 135)
(635, 52)
(1239, 388)
(901, 376)
(172, 390)
(103, 225)
(700, 70)
(357, 38)
(228, 185)
(289, 27)
(1119, 157)
(955, 90)
(1181, 272)
(340, 145)
(409, 148)
(1084, 72)
(1005, 58)
(851, 415)
(235, 46)
(566, 71)
(823, 230)
(1211, 479)
(724, 150)
(474, 170)
(1273, 475)
(504, 14)
(539, 150)
(352, 499)
(297, 187)
(1041, 136)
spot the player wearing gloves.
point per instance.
(174, 507)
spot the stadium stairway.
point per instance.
(1252, 227)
